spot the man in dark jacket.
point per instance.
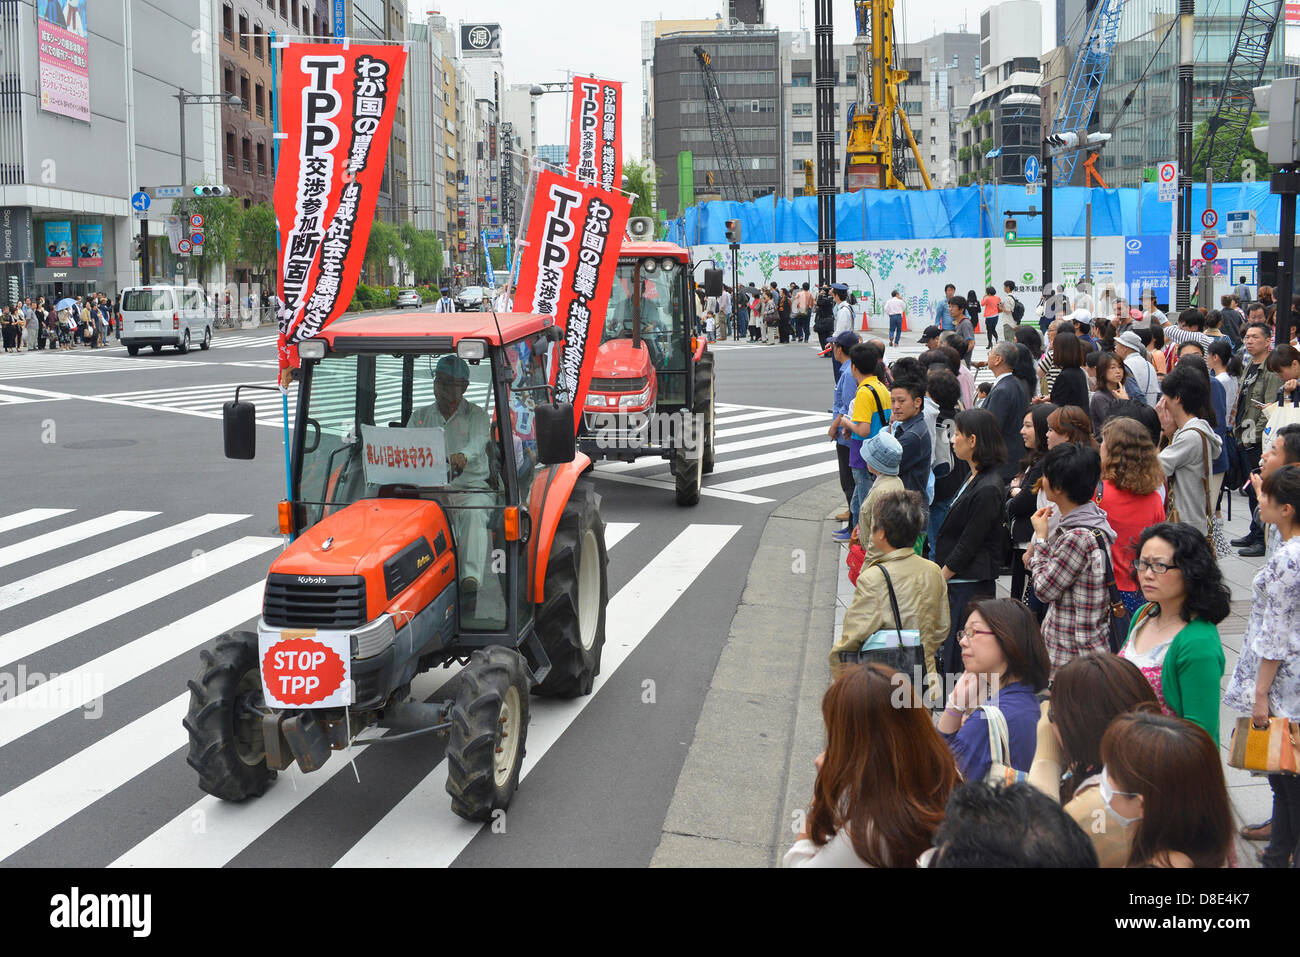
(907, 397)
(1008, 403)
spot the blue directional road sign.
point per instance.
(140, 202)
(1031, 169)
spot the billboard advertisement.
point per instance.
(63, 55)
(58, 243)
(1146, 263)
(15, 234)
(90, 246)
(480, 39)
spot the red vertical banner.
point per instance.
(336, 109)
(595, 146)
(574, 236)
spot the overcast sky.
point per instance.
(542, 40)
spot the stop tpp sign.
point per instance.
(306, 672)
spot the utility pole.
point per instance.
(1186, 37)
(1281, 138)
(1045, 165)
(825, 69)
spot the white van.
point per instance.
(162, 315)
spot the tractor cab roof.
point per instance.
(653, 249)
(405, 330)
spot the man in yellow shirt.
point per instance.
(867, 416)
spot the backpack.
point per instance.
(1017, 309)
(941, 461)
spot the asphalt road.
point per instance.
(127, 543)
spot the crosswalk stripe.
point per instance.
(767, 458)
(47, 581)
(767, 441)
(706, 491)
(39, 635)
(62, 537)
(78, 687)
(230, 828)
(720, 433)
(780, 478)
(30, 516)
(409, 835)
(729, 419)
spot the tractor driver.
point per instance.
(465, 428)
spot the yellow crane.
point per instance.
(874, 152)
(809, 187)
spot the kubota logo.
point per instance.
(310, 580)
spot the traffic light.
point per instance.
(1279, 139)
(212, 191)
(1065, 142)
(733, 230)
(13, 290)
(1009, 231)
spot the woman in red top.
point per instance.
(992, 304)
(1131, 482)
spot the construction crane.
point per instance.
(1246, 65)
(723, 133)
(1083, 87)
(809, 187)
(877, 154)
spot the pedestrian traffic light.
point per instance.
(1009, 231)
(212, 191)
(733, 230)
(1280, 139)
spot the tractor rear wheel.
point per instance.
(571, 616)
(688, 471)
(704, 399)
(489, 726)
(225, 720)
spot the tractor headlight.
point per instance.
(471, 349)
(648, 266)
(312, 349)
(669, 266)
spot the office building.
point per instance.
(385, 20)
(650, 30)
(1003, 122)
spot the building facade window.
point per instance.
(801, 109)
(228, 80)
(227, 21)
(243, 31)
(259, 99)
(245, 94)
(257, 40)
(230, 150)
(801, 137)
(801, 79)
(246, 149)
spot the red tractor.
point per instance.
(438, 517)
(652, 388)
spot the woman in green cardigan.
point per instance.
(1174, 638)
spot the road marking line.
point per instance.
(767, 441)
(90, 565)
(706, 492)
(615, 532)
(730, 420)
(62, 537)
(769, 426)
(39, 635)
(772, 479)
(780, 455)
(410, 836)
(74, 689)
(29, 516)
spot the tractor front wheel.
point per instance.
(704, 400)
(571, 616)
(225, 720)
(489, 726)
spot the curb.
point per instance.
(748, 771)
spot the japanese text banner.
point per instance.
(595, 144)
(336, 107)
(574, 235)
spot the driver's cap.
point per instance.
(453, 367)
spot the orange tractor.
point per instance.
(652, 389)
(438, 517)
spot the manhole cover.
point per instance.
(100, 444)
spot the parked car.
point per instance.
(164, 315)
(470, 299)
(408, 297)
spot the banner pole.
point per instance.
(275, 169)
(525, 214)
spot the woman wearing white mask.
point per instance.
(1088, 693)
(1163, 778)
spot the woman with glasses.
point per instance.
(1162, 778)
(1266, 681)
(1174, 637)
(1087, 695)
(1006, 666)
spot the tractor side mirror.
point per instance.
(239, 426)
(713, 282)
(557, 442)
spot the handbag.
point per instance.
(1280, 415)
(1275, 749)
(1000, 769)
(1120, 617)
(856, 558)
(898, 647)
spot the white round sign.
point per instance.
(1167, 172)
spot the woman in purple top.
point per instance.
(1006, 666)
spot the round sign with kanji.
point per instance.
(1209, 251)
(196, 221)
(1168, 171)
(1209, 219)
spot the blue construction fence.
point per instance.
(968, 212)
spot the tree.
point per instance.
(257, 240)
(385, 243)
(221, 224)
(636, 181)
(1217, 160)
(421, 253)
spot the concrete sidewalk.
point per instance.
(749, 771)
